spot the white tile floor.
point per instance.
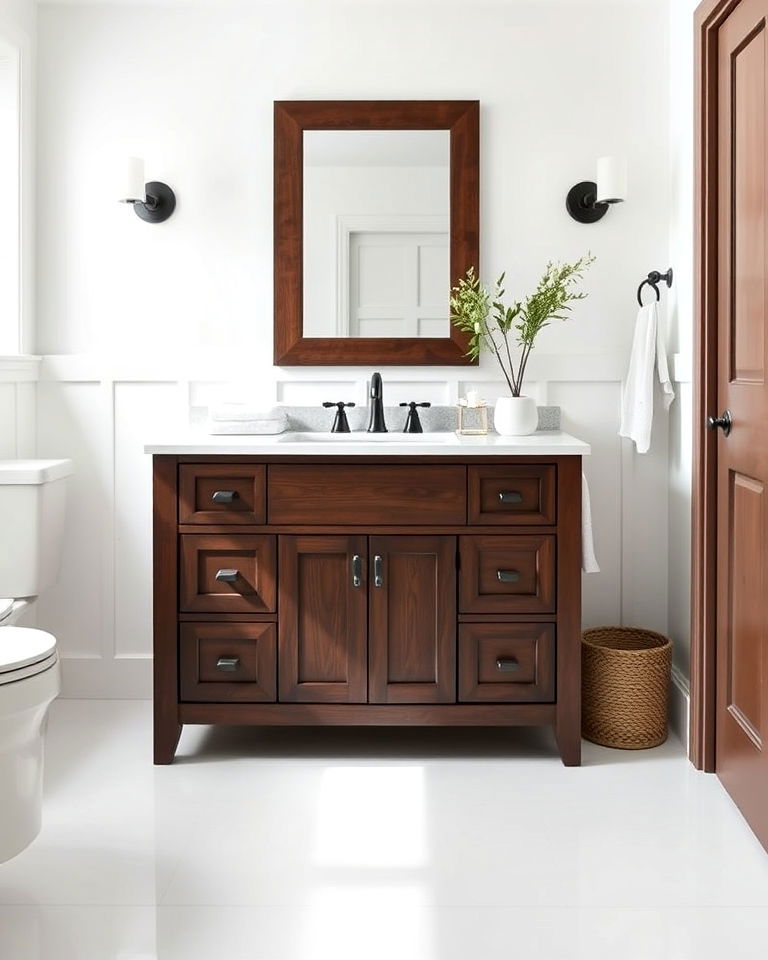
(366, 844)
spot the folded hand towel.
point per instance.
(588, 559)
(246, 427)
(242, 411)
(648, 351)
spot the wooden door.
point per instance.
(322, 620)
(412, 619)
(741, 740)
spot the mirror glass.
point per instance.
(376, 218)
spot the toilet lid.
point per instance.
(22, 646)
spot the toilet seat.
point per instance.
(25, 652)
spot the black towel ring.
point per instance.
(653, 279)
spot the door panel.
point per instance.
(412, 622)
(322, 620)
(742, 457)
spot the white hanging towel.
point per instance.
(589, 562)
(648, 351)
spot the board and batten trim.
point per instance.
(104, 665)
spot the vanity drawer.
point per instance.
(377, 494)
(228, 574)
(514, 494)
(507, 574)
(507, 662)
(228, 662)
(222, 493)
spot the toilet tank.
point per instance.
(32, 507)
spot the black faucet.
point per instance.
(376, 424)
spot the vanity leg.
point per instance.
(568, 736)
(166, 629)
(166, 740)
(568, 712)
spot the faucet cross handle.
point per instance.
(412, 421)
(340, 422)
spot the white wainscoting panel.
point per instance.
(18, 377)
(591, 411)
(101, 608)
(73, 422)
(140, 410)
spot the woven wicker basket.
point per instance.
(625, 687)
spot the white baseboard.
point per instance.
(680, 707)
(131, 679)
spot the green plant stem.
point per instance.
(516, 384)
(501, 364)
(524, 362)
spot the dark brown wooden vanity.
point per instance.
(324, 590)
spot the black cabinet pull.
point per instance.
(507, 664)
(227, 576)
(357, 570)
(228, 664)
(224, 496)
(378, 571)
(507, 576)
(510, 496)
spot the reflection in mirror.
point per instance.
(376, 211)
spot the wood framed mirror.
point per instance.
(376, 207)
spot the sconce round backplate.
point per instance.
(580, 203)
(163, 206)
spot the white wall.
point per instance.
(18, 28)
(139, 322)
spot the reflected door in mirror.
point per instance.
(376, 212)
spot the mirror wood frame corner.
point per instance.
(291, 119)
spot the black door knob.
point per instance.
(724, 423)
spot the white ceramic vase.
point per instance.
(515, 416)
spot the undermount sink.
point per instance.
(363, 437)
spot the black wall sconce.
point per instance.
(588, 201)
(153, 201)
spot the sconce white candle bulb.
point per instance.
(611, 179)
(152, 202)
(588, 200)
(132, 183)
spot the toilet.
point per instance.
(32, 506)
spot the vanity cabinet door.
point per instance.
(412, 619)
(322, 619)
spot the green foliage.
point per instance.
(491, 325)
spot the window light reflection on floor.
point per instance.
(371, 817)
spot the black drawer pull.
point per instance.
(228, 664)
(507, 664)
(510, 496)
(224, 496)
(227, 576)
(507, 576)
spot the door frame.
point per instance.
(708, 18)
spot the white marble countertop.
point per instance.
(541, 443)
